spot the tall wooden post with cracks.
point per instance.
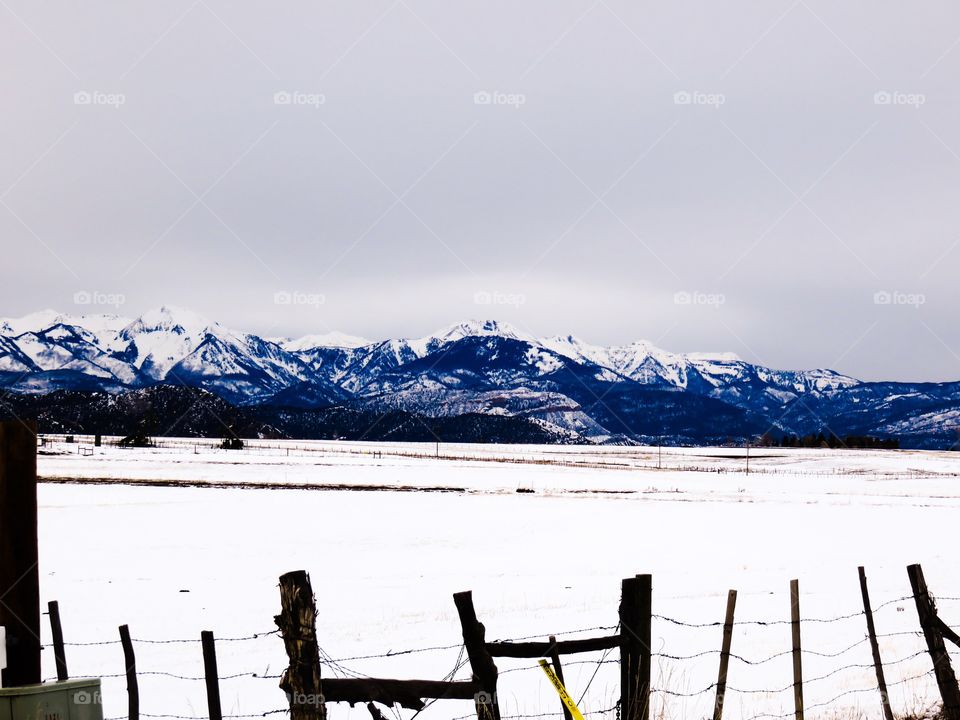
(298, 627)
(481, 663)
(635, 626)
(19, 556)
(930, 623)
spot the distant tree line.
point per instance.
(830, 440)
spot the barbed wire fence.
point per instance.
(344, 682)
(648, 457)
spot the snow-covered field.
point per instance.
(152, 542)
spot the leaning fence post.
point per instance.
(56, 632)
(725, 655)
(210, 675)
(927, 612)
(130, 660)
(797, 652)
(298, 626)
(481, 663)
(874, 647)
(635, 622)
(558, 670)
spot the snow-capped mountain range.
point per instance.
(630, 392)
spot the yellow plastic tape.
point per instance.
(561, 691)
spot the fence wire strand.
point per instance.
(337, 667)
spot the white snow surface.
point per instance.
(172, 561)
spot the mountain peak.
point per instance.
(481, 328)
(332, 339)
(467, 328)
(169, 316)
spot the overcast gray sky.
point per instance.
(774, 178)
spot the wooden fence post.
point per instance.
(797, 652)
(725, 655)
(635, 662)
(19, 573)
(371, 708)
(927, 612)
(874, 646)
(56, 632)
(298, 626)
(481, 663)
(130, 660)
(558, 670)
(210, 674)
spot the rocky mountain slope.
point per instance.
(629, 393)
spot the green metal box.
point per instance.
(67, 700)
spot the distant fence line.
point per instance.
(647, 457)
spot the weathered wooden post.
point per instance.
(927, 612)
(56, 632)
(133, 688)
(797, 651)
(558, 670)
(635, 628)
(481, 663)
(725, 655)
(210, 675)
(371, 708)
(298, 627)
(19, 556)
(874, 646)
